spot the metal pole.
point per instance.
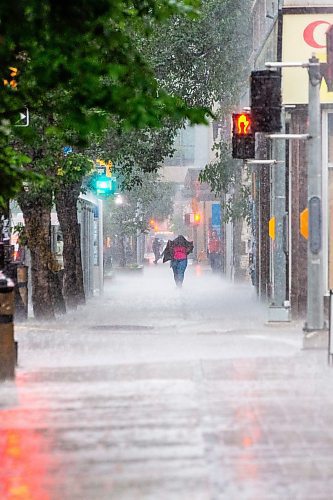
(263, 215)
(315, 288)
(137, 248)
(330, 318)
(100, 246)
(195, 243)
(277, 311)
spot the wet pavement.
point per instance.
(151, 392)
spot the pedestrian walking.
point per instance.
(156, 249)
(214, 251)
(177, 251)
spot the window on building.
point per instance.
(184, 149)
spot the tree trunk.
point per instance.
(37, 218)
(66, 202)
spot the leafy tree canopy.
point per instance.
(86, 50)
(134, 152)
(151, 199)
(203, 59)
(224, 176)
(80, 60)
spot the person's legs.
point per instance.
(174, 266)
(214, 261)
(182, 264)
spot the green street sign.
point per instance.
(106, 186)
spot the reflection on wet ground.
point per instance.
(27, 460)
(156, 393)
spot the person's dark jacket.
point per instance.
(179, 241)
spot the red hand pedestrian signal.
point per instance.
(242, 124)
(243, 140)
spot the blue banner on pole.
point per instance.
(216, 214)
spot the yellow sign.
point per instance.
(303, 36)
(107, 165)
(304, 223)
(271, 228)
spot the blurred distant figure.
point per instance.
(157, 249)
(177, 251)
(201, 256)
(214, 251)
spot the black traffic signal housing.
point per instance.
(266, 101)
(243, 139)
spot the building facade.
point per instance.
(292, 31)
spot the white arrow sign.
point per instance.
(24, 119)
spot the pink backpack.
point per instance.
(179, 253)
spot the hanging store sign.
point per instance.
(303, 35)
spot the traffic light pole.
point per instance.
(277, 310)
(315, 287)
(315, 267)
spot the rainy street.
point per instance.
(198, 133)
(154, 392)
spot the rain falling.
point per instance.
(165, 250)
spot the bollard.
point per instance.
(7, 343)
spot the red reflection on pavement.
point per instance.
(25, 456)
(247, 415)
(198, 270)
(247, 441)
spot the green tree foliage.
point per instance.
(43, 144)
(204, 59)
(152, 198)
(224, 175)
(81, 60)
(147, 199)
(134, 152)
